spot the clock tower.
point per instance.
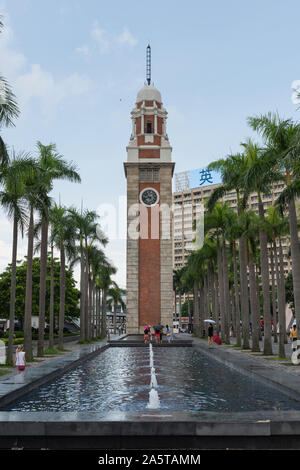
(149, 172)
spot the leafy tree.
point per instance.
(186, 307)
(71, 299)
(289, 290)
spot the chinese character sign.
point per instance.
(204, 177)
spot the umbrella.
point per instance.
(158, 327)
(209, 321)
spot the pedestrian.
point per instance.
(293, 337)
(169, 334)
(210, 334)
(157, 336)
(160, 334)
(20, 360)
(147, 335)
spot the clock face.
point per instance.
(149, 197)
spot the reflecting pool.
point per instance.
(119, 379)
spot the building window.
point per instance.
(149, 128)
(149, 175)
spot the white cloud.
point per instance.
(39, 83)
(127, 38)
(84, 50)
(11, 61)
(107, 41)
(101, 37)
(32, 81)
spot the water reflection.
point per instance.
(119, 378)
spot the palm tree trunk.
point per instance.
(196, 308)
(295, 254)
(233, 313)
(28, 295)
(221, 290)
(281, 297)
(226, 293)
(51, 313)
(217, 304)
(236, 297)
(180, 310)
(95, 309)
(97, 312)
(90, 310)
(213, 298)
(253, 304)
(201, 311)
(258, 300)
(43, 280)
(274, 303)
(205, 290)
(103, 319)
(115, 318)
(12, 293)
(86, 295)
(264, 266)
(244, 292)
(82, 295)
(62, 295)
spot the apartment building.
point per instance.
(188, 202)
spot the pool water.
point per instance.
(119, 379)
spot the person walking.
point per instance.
(161, 335)
(210, 334)
(147, 334)
(169, 334)
(157, 336)
(20, 361)
(293, 337)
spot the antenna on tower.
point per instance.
(148, 64)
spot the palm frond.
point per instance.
(8, 106)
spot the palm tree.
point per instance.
(33, 192)
(216, 222)
(12, 199)
(104, 273)
(258, 178)
(115, 294)
(52, 167)
(232, 170)
(249, 224)
(282, 139)
(97, 260)
(178, 289)
(194, 275)
(88, 232)
(233, 233)
(63, 238)
(277, 227)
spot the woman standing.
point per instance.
(210, 334)
(20, 360)
(169, 334)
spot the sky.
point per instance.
(77, 65)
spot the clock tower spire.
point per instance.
(149, 172)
